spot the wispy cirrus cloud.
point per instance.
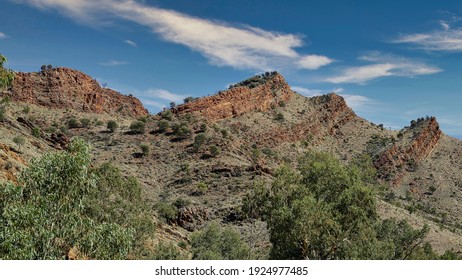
(113, 63)
(131, 43)
(242, 47)
(382, 65)
(3, 35)
(447, 38)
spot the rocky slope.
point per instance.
(254, 127)
(68, 88)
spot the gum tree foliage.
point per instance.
(217, 243)
(327, 210)
(6, 75)
(60, 203)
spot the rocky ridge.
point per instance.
(240, 100)
(406, 156)
(68, 88)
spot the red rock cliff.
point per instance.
(68, 88)
(240, 100)
(400, 157)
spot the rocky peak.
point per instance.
(258, 93)
(333, 111)
(68, 88)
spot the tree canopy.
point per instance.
(61, 204)
(327, 210)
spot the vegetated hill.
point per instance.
(202, 157)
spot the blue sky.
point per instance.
(393, 61)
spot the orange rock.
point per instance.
(68, 88)
(239, 100)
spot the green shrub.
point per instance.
(199, 141)
(163, 125)
(112, 126)
(73, 123)
(137, 127)
(214, 150)
(181, 130)
(85, 122)
(167, 212)
(143, 119)
(224, 133)
(50, 129)
(188, 99)
(6, 75)
(279, 117)
(144, 149)
(167, 251)
(202, 188)
(203, 127)
(36, 132)
(217, 243)
(19, 140)
(26, 110)
(167, 115)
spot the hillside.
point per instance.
(205, 155)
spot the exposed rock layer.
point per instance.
(68, 88)
(399, 157)
(240, 100)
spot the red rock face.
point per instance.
(67, 88)
(396, 159)
(239, 100)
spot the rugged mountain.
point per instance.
(68, 88)
(248, 131)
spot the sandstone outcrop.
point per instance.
(68, 88)
(406, 156)
(240, 100)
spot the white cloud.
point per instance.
(3, 35)
(152, 103)
(243, 47)
(113, 63)
(446, 39)
(313, 61)
(164, 95)
(357, 102)
(315, 92)
(384, 65)
(131, 43)
(445, 25)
